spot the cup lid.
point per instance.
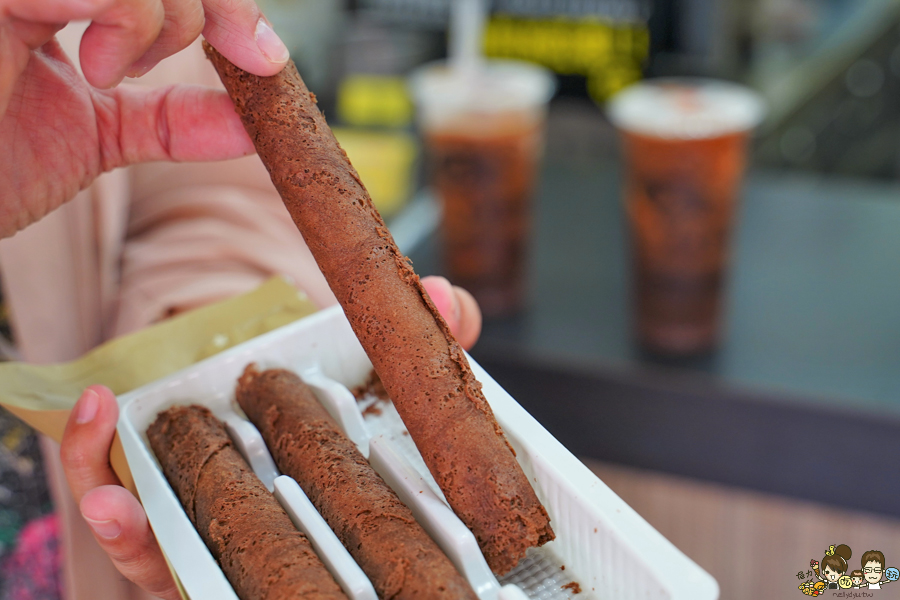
(685, 108)
(496, 86)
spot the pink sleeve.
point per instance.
(192, 243)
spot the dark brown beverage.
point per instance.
(681, 197)
(684, 142)
(485, 180)
(483, 125)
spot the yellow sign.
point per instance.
(380, 100)
(384, 161)
(609, 54)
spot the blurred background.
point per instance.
(752, 457)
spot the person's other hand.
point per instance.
(458, 307)
(59, 130)
(115, 515)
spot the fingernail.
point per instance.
(269, 43)
(108, 530)
(140, 68)
(87, 407)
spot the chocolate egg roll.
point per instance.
(379, 531)
(254, 541)
(410, 345)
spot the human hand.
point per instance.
(59, 130)
(458, 307)
(116, 517)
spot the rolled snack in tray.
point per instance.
(378, 530)
(420, 363)
(254, 541)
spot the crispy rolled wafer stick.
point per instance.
(254, 541)
(421, 365)
(380, 532)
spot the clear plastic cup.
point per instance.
(483, 131)
(684, 143)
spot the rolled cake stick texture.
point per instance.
(254, 541)
(379, 531)
(421, 365)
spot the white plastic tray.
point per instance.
(607, 548)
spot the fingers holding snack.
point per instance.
(129, 37)
(42, 93)
(238, 30)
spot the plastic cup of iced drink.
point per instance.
(685, 146)
(483, 132)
